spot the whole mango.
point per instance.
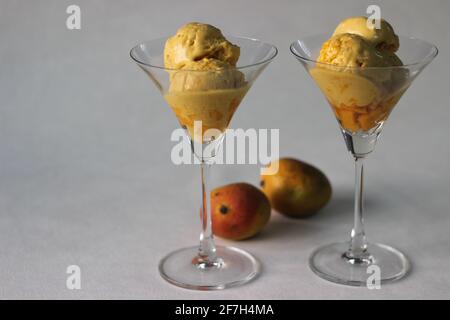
(238, 211)
(297, 189)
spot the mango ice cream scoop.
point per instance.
(195, 41)
(383, 38)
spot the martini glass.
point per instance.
(361, 100)
(204, 102)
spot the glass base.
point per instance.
(331, 263)
(235, 267)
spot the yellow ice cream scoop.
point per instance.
(206, 74)
(351, 50)
(209, 91)
(195, 41)
(356, 55)
(344, 88)
(383, 38)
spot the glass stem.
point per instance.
(207, 250)
(357, 252)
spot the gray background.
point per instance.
(85, 170)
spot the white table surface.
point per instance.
(85, 170)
